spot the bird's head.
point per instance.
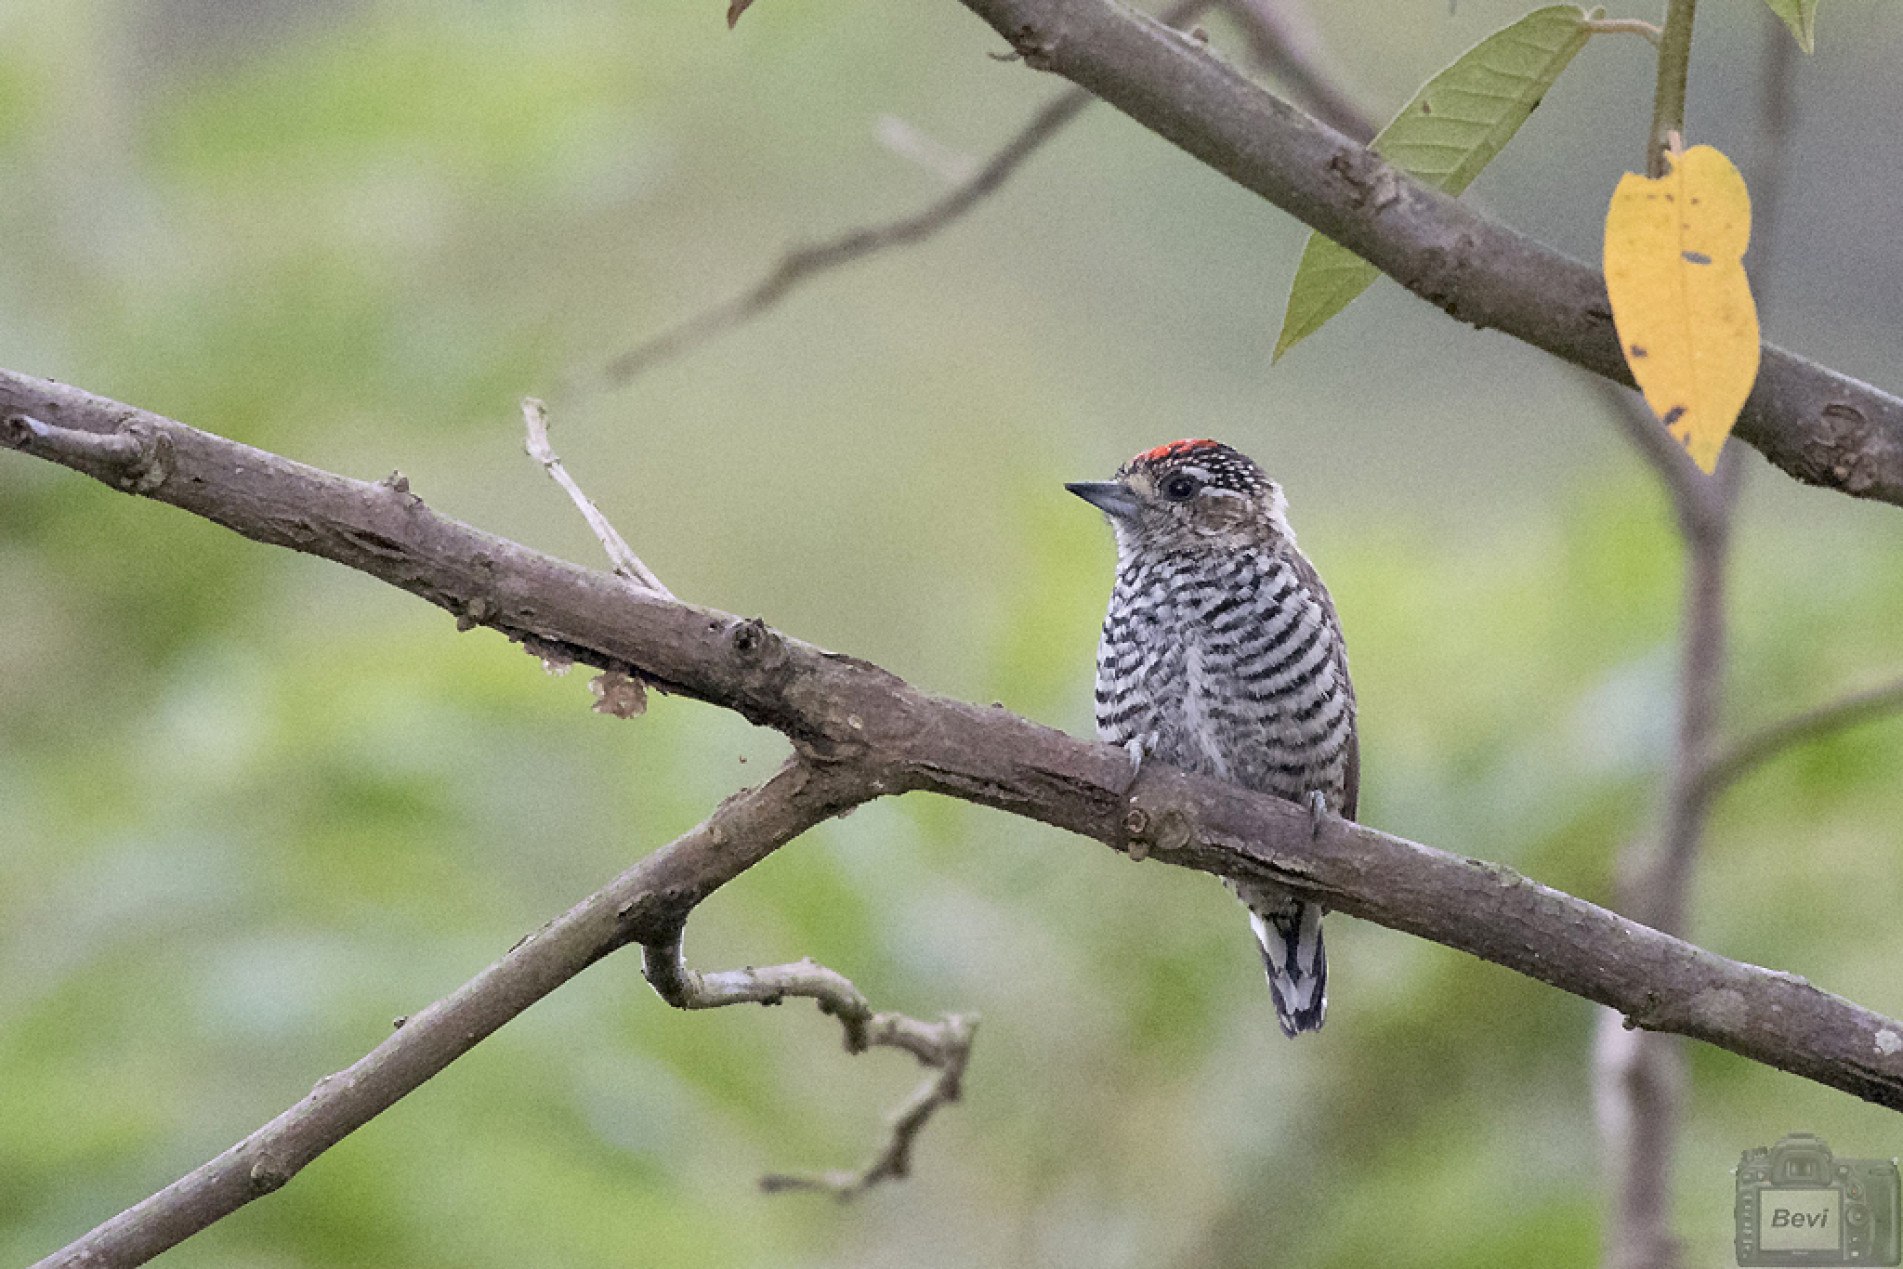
(1190, 496)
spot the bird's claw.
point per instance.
(1138, 848)
(1134, 748)
(1317, 814)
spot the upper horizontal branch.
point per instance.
(897, 738)
(1822, 427)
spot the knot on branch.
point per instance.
(1842, 451)
(757, 644)
(478, 611)
(1166, 829)
(268, 1175)
(1036, 48)
(1373, 183)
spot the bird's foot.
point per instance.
(1317, 814)
(1138, 848)
(1133, 747)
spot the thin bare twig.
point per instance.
(1280, 39)
(894, 1158)
(1283, 41)
(803, 263)
(1639, 1079)
(943, 1046)
(620, 554)
(1626, 26)
(1760, 747)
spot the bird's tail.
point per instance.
(1290, 935)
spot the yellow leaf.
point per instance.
(1680, 299)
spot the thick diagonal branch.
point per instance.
(840, 710)
(861, 733)
(645, 901)
(1820, 426)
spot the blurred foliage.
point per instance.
(252, 807)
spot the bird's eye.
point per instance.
(1180, 488)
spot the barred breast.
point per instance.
(1231, 666)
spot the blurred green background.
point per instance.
(253, 806)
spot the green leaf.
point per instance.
(1800, 16)
(1454, 126)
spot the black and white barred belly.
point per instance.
(1230, 665)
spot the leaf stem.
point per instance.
(1668, 102)
(1625, 26)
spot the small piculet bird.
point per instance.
(1222, 655)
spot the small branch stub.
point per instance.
(620, 554)
(133, 458)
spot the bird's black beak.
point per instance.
(1110, 496)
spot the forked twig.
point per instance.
(893, 1162)
(943, 1046)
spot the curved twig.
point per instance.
(1278, 41)
(944, 1047)
(950, 1042)
(803, 263)
(1761, 746)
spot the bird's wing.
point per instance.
(1351, 781)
